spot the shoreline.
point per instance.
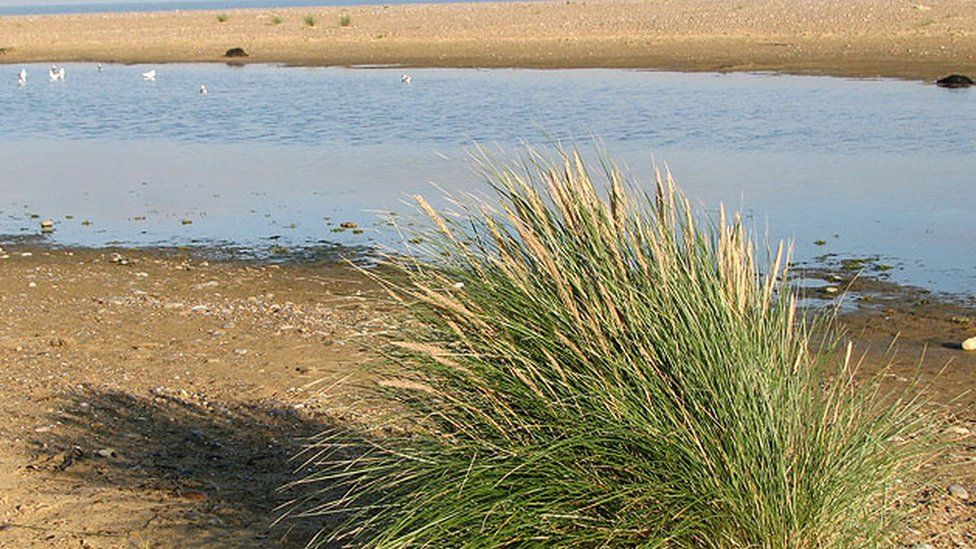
(875, 38)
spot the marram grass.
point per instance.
(589, 365)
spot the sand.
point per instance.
(158, 402)
(915, 39)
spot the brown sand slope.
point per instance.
(157, 404)
(894, 38)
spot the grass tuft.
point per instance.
(310, 21)
(345, 21)
(588, 364)
(276, 20)
(222, 17)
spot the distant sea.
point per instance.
(166, 5)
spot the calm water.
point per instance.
(279, 155)
(16, 7)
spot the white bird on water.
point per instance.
(100, 68)
(56, 73)
(203, 89)
(149, 76)
(22, 77)
(406, 79)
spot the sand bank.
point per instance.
(890, 38)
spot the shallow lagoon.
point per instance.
(272, 155)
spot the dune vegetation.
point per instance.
(591, 364)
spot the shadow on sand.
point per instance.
(208, 473)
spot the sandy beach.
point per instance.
(157, 398)
(871, 38)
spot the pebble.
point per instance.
(969, 344)
(107, 453)
(958, 491)
(187, 221)
(47, 226)
(32, 285)
(194, 495)
(348, 225)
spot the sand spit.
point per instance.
(889, 38)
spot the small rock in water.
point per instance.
(955, 81)
(187, 221)
(347, 225)
(47, 226)
(969, 344)
(958, 491)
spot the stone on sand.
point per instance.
(969, 344)
(958, 491)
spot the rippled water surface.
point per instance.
(28, 7)
(274, 155)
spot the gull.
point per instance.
(100, 68)
(203, 89)
(149, 76)
(56, 73)
(406, 78)
(22, 77)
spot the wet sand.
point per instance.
(157, 398)
(889, 38)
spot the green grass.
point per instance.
(222, 17)
(345, 21)
(310, 21)
(589, 365)
(276, 20)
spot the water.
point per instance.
(279, 156)
(21, 8)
